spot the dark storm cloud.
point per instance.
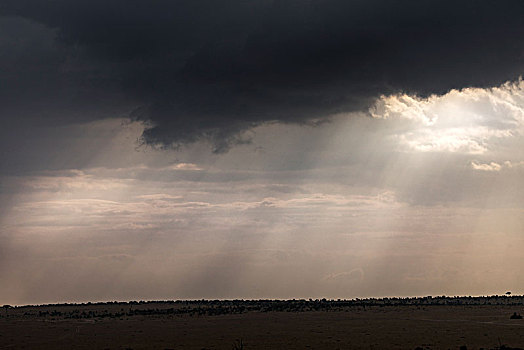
(209, 69)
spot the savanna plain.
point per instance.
(415, 323)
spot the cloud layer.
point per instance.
(203, 69)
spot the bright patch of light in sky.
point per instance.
(467, 121)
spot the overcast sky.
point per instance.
(260, 149)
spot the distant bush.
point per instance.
(238, 345)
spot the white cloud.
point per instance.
(486, 167)
(493, 166)
(184, 166)
(468, 121)
(510, 165)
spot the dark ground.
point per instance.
(435, 323)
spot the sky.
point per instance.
(260, 149)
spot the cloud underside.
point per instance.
(197, 70)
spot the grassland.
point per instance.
(415, 323)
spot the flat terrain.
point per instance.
(261, 325)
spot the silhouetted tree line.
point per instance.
(222, 307)
(427, 300)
